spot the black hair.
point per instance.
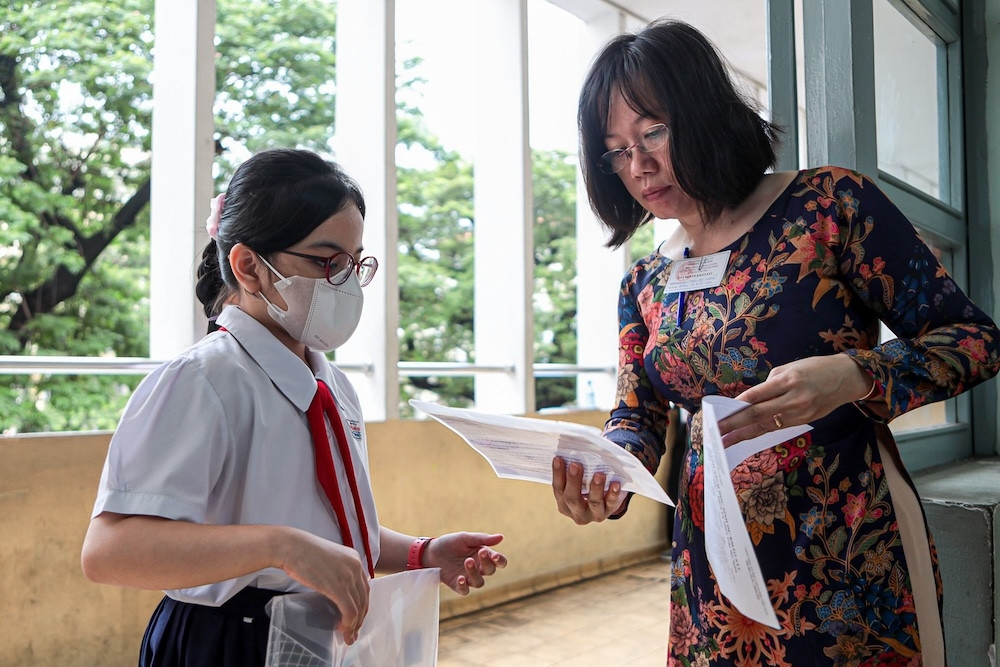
(720, 147)
(275, 199)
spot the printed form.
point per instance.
(523, 448)
(730, 551)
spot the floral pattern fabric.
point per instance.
(830, 259)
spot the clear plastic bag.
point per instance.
(401, 627)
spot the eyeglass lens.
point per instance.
(339, 266)
(652, 139)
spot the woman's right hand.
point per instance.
(333, 570)
(593, 506)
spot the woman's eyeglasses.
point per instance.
(337, 266)
(654, 138)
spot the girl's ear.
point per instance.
(246, 264)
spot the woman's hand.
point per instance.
(334, 570)
(465, 559)
(796, 393)
(583, 508)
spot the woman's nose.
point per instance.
(642, 163)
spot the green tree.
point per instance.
(75, 112)
(435, 263)
(75, 117)
(554, 194)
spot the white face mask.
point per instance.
(320, 315)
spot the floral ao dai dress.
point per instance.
(834, 519)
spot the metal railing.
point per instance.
(63, 365)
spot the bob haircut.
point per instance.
(720, 147)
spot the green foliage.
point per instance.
(274, 77)
(75, 103)
(75, 119)
(554, 184)
(435, 265)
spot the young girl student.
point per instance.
(239, 469)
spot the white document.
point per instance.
(743, 450)
(401, 627)
(727, 542)
(523, 448)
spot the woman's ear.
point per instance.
(245, 264)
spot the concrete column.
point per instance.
(599, 269)
(503, 209)
(183, 147)
(365, 144)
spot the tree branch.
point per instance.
(64, 283)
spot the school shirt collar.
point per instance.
(292, 377)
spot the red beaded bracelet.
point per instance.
(415, 560)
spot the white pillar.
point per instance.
(599, 269)
(365, 144)
(183, 147)
(503, 209)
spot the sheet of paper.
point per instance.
(730, 551)
(523, 448)
(741, 451)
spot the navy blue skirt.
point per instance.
(181, 634)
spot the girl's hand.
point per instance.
(796, 393)
(465, 559)
(595, 505)
(334, 570)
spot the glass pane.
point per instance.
(60, 403)
(435, 75)
(927, 416)
(554, 77)
(906, 101)
(74, 220)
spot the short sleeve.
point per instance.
(169, 448)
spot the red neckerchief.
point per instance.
(323, 404)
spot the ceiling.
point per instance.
(737, 27)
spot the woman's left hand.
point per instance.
(465, 559)
(796, 393)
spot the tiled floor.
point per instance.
(618, 619)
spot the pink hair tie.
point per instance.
(212, 222)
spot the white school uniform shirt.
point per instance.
(219, 435)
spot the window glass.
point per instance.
(75, 172)
(434, 157)
(554, 78)
(74, 222)
(906, 101)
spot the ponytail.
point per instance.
(211, 288)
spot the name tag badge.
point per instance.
(696, 273)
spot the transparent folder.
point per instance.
(401, 627)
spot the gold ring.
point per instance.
(777, 421)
